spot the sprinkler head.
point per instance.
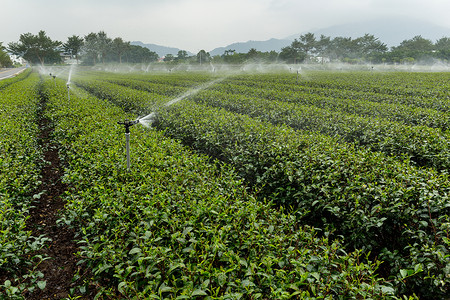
(67, 84)
(127, 123)
(54, 76)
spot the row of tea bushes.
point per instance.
(6, 82)
(418, 85)
(156, 88)
(426, 90)
(178, 227)
(389, 208)
(425, 146)
(344, 102)
(20, 164)
(136, 101)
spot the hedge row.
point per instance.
(20, 164)
(23, 75)
(425, 146)
(384, 206)
(388, 208)
(342, 101)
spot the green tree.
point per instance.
(253, 54)
(342, 48)
(306, 43)
(5, 60)
(323, 46)
(442, 47)
(292, 55)
(74, 45)
(90, 49)
(417, 43)
(182, 55)
(104, 44)
(229, 52)
(443, 44)
(169, 57)
(203, 56)
(138, 54)
(119, 47)
(417, 48)
(36, 48)
(368, 45)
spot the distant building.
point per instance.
(17, 59)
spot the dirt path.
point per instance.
(60, 269)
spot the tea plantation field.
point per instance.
(329, 185)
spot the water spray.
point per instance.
(127, 124)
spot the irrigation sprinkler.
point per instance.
(127, 124)
(54, 78)
(68, 91)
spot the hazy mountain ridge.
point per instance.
(391, 31)
(160, 50)
(263, 46)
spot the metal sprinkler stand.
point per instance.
(127, 123)
(68, 91)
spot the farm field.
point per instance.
(321, 185)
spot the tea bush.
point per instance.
(177, 226)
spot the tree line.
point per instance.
(90, 49)
(99, 48)
(367, 48)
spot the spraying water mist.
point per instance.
(70, 74)
(150, 118)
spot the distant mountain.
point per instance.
(160, 50)
(263, 46)
(390, 30)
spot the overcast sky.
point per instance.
(200, 24)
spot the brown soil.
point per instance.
(60, 268)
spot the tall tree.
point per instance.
(73, 45)
(90, 48)
(203, 56)
(417, 43)
(369, 44)
(342, 47)
(292, 54)
(306, 43)
(36, 48)
(323, 46)
(169, 57)
(138, 54)
(182, 55)
(119, 47)
(443, 48)
(417, 48)
(443, 44)
(253, 54)
(5, 60)
(104, 44)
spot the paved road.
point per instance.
(7, 73)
